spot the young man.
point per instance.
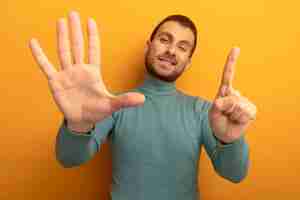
(155, 131)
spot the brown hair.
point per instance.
(182, 20)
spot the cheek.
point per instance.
(158, 49)
(183, 59)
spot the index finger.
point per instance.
(228, 72)
(94, 43)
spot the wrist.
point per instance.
(225, 143)
(79, 127)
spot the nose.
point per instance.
(171, 49)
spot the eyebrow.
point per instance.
(169, 35)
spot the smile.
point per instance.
(167, 60)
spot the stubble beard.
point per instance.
(151, 70)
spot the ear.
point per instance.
(147, 47)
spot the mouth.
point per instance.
(167, 60)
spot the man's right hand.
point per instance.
(78, 88)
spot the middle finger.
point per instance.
(77, 38)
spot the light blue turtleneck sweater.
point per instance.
(156, 146)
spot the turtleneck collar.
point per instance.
(155, 86)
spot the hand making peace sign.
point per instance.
(230, 113)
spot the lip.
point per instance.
(165, 65)
(166, 61)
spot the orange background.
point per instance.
(268, 33)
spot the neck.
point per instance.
(155, 86)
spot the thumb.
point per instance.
(130, 99)
(224, 103)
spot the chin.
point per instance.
(164, 70)
(164, 73)
(161, 74)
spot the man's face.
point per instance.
(169, 52)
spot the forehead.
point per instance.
(178, 31)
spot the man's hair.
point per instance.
(183, 21)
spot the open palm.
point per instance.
(78, 88)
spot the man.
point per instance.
(155, 131)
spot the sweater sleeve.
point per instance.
(73, 149)
(230, 161)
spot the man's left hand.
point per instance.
(231, 113)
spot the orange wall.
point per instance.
(268, 33)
